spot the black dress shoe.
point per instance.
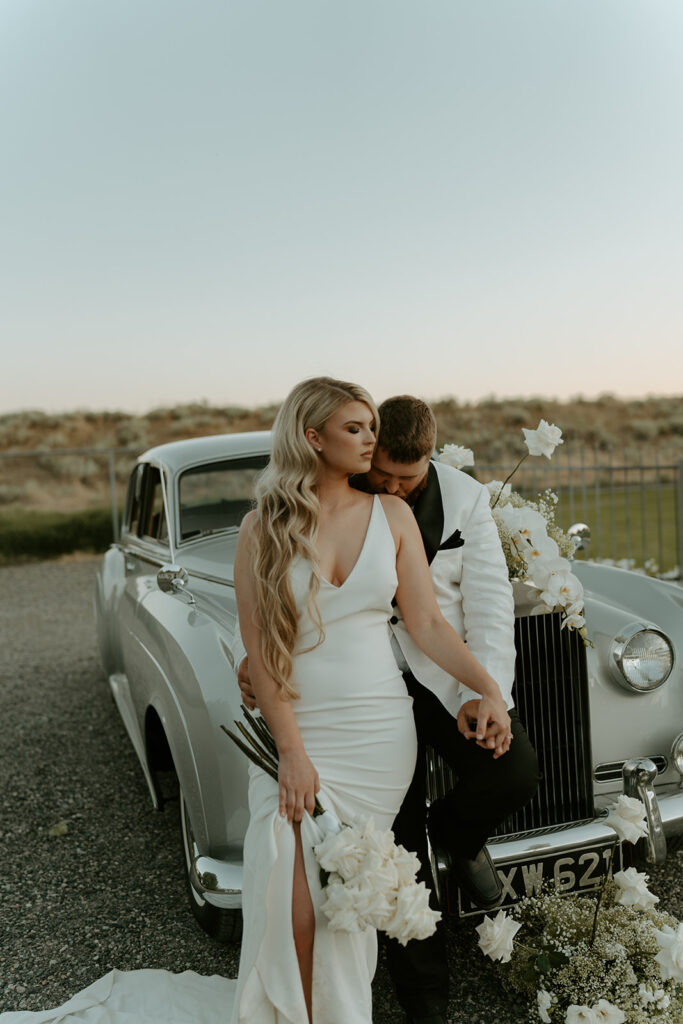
(436, 1018)
(477, 876)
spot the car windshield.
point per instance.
(217, 496)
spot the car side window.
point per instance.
(131, 516)
(217, 496)
(153, 517)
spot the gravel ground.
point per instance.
(109, 891)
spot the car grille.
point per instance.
(551, 696)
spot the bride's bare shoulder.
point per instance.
(398, 513)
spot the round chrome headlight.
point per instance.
(641, 658)
(677, 753)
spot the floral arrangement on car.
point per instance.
(537, 550)
(614, 960)
(369, 881)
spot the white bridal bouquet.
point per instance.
(614, 960)
(369, 881)
(537, 550)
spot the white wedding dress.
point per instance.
(356, 722)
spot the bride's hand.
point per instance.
(299, 784)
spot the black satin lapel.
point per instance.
(428, 511)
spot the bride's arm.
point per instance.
(297, 777)
(432, 633)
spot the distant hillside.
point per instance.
(491, 427)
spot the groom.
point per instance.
(471, 583)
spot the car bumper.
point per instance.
(573, 837)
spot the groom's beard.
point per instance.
(361, 483)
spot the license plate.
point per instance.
(575, 871)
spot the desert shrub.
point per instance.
(133, 432)
(645, 430)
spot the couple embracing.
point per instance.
(377, 617)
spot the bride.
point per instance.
(317, 566)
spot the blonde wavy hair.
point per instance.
(287, 518)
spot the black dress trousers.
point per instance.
(486, 792)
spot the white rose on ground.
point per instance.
(413, 919)
(343, 852)
(339, 907)
(543, 440)
(670, 956)
(496, 936)
(634, 890)
(544, 1004)
(580, 1015)
(627, 818)
(607, 1013)
(456, 456)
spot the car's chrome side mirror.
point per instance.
(582, 533)
(173, 579)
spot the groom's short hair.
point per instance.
(407, 428)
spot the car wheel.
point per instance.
(222, 924)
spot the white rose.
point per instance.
(328, 823)
(407, 864)
(627, 818)
(378, 871)
(374, 906)
(607, 1013)
(496, 936)
(544, 1004)
(580, 1015)
(374, 839)
(498, 492)
(456, 456)
(634, 890)
(670, 956)
(543, 440)
(342, 852)
(413, 918)
(339, 907)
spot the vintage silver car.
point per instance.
(605, 719)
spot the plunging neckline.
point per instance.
(340, 586)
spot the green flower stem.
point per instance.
(509, 477)
(601, 891)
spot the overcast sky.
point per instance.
(211, 199)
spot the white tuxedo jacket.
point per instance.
(471, 583)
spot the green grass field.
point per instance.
(31, 533)
(635, 523)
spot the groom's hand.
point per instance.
(497, 736)
(248, 695)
